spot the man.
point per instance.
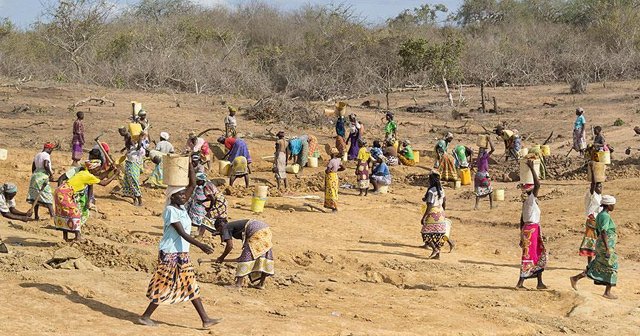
(164, 146)
(77, 140)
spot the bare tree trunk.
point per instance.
(387, 97)
(446, 89)
(484, 107)
(495, 105)
(460, 97)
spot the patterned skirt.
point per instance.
(76, 150)
(280, 166)
(256, 258)
(602, 270)
(331, 191)
(588, 245)
(131, 181)
(174, 280)
(239, 167)
(482, 184)
(437, 228)
(71, 208)
(534, 254)
(362, 175)
(447, 168)
(157, 176)
(579, 141)
(39, 179)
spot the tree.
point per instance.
(71, 25)
(157, 9)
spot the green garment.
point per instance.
(408, 152)
(390, 127)
(441, 147)
(604, 271)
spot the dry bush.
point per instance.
(286, 111)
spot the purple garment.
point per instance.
(483, 162)
(252, 227)
(354, 147)
(239, 149)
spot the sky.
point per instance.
(24, 12)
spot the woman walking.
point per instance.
(436, 228)
(72, 199)
(331, 181)
(40, 191)
(174, 280)
(482, 180)
(592, 201)
(256, 259)
(132, 170)
(579, 139)
(534, 254)
(354, 136)
(603, 270)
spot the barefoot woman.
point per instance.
(534, 255)
(256, 259)
(603, 270)
(174, 280)
(436, 228)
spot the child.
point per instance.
(230, 122)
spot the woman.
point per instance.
(512, 142)
(534, 254)
(579, 139)
(381, 175)
(303, 156)
(174, 280)
(445, 162)
(40, 190)
(406, 154)
(341, 145)
(436, 228)
(340, 129)
(132, 170)
(462, 155)
(390, 128)
(313, 146)
(199, 211)
(376, 150)
(362, 168)
(280, 161)
(156, 179)
(77, 141)
(603, 270)
(240, 162)
(8, 192)
(354, 136)
(164, 146)
(391, 153)
(256, 258)
(331, 181)
(482, 180)
(593, 201)
(72, 199)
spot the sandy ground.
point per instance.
(358, 272)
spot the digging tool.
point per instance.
(570, 150)
(35, 203)
(201, 261)
(548, 139)
(104, 153)
(209, 130)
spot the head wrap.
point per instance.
(192, 135)
(123, 128)
(92, 164)
(49, 145)
(164, 135)
(406, 142)
(580, 110)
(221, 139)
(170, 191)
(201, 176)
(142, 113)
(232, 109)
(335, 151)
(448, 135)
(608, 200)
(9, 188)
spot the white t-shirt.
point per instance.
(231, 121)
(432, 197)
(530, 210)
(592, 204)
(5, 206)
(40, 158)
(165, 147)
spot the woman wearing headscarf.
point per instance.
(164, 146)
(199, 211)
(380, 176)
(199, 145)
(8, 192)
(406, 156)
(40, 191)
(256, 259)
(436, 228)
(603, 270)
(390, 128)
(331, 182)
(72, 199)
(355, 133)
(174, 280)
(445, 162)
(534, 254)
(132, 170)
(579, 139)
(512, 142)
(240, 162)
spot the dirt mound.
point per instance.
(117, 257)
